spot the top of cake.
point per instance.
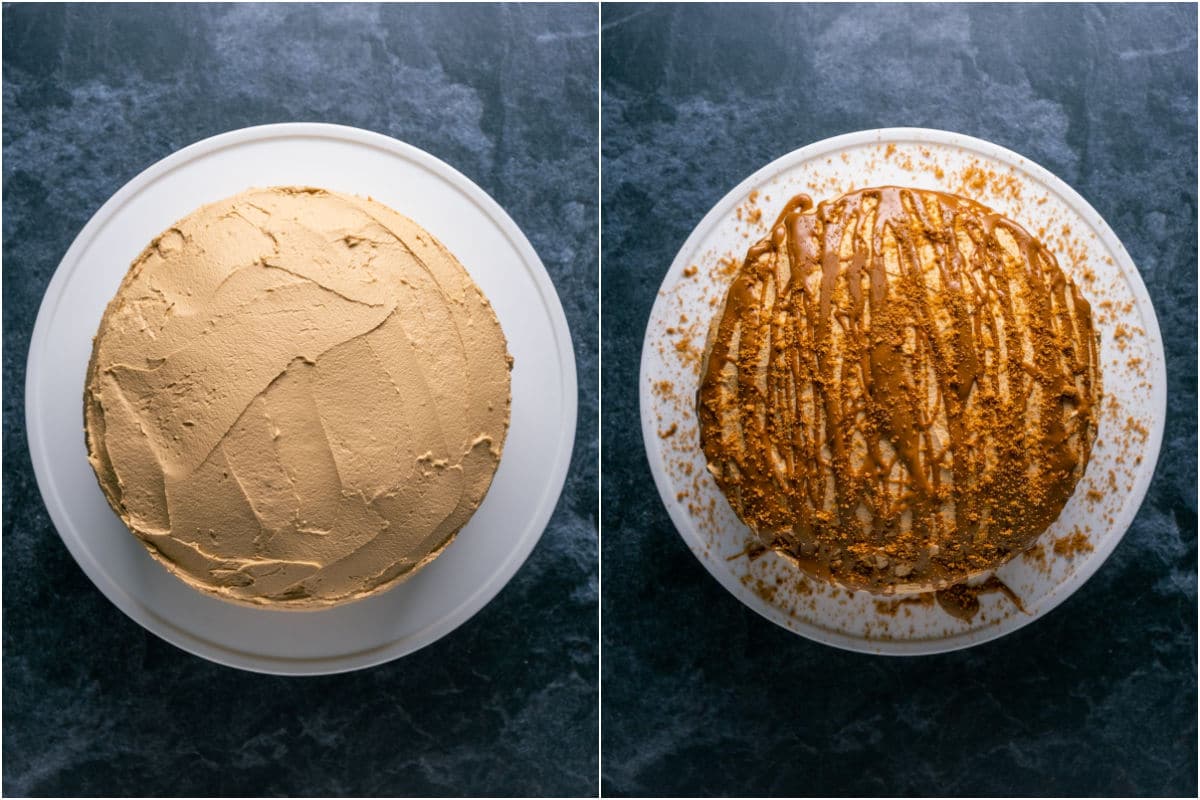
(900, 391)
(296, 397)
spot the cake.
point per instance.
(900, 391)
(296, 398)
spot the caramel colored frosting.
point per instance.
(901, 389)
(296, 398)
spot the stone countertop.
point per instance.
(93, 704)
(703, 696)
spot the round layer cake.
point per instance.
(900, 391)
(297, 398)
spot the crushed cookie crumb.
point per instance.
(1072, 545)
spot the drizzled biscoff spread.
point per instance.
(901, 389)
(296, 398)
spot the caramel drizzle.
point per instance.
(962, 601)
(899, 390)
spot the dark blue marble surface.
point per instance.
(93, 704)
(703, 696)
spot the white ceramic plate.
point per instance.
(487, 552)
(1131, 423)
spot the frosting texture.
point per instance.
(296, 398)
(900, 391)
